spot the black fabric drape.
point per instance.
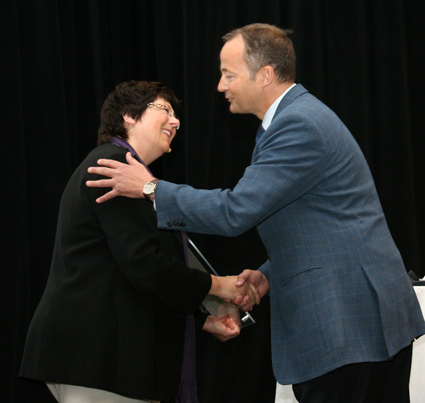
(60, 59)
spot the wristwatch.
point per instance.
(149, 188)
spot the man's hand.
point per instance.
(223, 329)
(225, 287)
(253, 277)
(126, 180)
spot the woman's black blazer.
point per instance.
(114, 309)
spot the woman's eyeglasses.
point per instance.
(170, 112)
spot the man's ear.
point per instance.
(128, 119)
(267, 75)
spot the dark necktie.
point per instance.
(260, 132)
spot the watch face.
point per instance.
(149, 188)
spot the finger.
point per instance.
(230, 324)
(109, 163)
(238, 300)
(246, 304)
(256, 294)
(108, 196)
(229, 334)
(246, 308)
(131, 160)
(234, 332)
(101, 183)
(247, 300)
(101, 171)
(240, 281)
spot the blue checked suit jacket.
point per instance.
(339, 291)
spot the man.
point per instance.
(343, 310)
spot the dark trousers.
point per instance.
(368, 382)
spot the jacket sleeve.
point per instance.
(287, 163)
(265, 269)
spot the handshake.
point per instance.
(244, 291)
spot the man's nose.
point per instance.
(221, 87)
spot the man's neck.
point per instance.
(273, 93)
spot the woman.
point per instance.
(114, 323)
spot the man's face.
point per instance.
(243, 93)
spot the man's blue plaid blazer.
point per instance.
(339, 291)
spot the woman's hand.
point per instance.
(223, 329)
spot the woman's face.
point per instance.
(154, 131)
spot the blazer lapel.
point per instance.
(286, 100)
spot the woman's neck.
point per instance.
(140, 150)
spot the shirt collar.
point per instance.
(272, 110)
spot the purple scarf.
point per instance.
(118, 141)
(187, 392)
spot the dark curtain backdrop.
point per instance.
(59, 59)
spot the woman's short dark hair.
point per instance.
(129, 98)
(267, 45)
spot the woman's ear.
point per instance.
(128, 119)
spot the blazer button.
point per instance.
(169, 224)
(183, 224)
